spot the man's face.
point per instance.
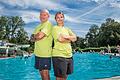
(44, 16)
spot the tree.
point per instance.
(109, 33)
(91, 36)
(22, 37)
(12, 29)
(3, 24)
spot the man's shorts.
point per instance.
(42, 63)
(62, 66)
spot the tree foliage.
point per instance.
(91, 36)
(107, 33)
(12, 29)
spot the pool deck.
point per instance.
(5, 57)
(112, 78)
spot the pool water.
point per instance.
(87, 66)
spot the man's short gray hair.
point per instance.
(44, 10)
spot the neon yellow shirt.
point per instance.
(61, 49)
(43, 47)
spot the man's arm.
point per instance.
(39, 36)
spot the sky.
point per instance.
(79, 14)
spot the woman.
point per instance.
(62, 51)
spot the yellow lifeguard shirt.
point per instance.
(61, 49)
(43, 47)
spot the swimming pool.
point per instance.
(87, 66)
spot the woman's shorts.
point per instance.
(42, 63)
(62, 66)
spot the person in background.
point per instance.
(108, 49)
(62, 51)
(43, 45)
(118, 48)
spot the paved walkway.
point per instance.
(112, 78)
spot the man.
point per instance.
(43, 45)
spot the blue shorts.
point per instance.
(62, 66)
(42, 63)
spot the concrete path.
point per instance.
(112, 78)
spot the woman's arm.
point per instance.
(71, 38)
(67, 38)
(62, 39)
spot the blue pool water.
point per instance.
(87, 66)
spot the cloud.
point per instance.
(89, 21)
(30, 16)
(80, 33)
(78, 30)
(27, 16)
(38, 4)
(71, 19)
(116, 19)
(79, 21)
(115, 5)
(91, 11)
(99, 1)
(1, 9)
(23, 8)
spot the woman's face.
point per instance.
(44, 16)
(59, 18)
